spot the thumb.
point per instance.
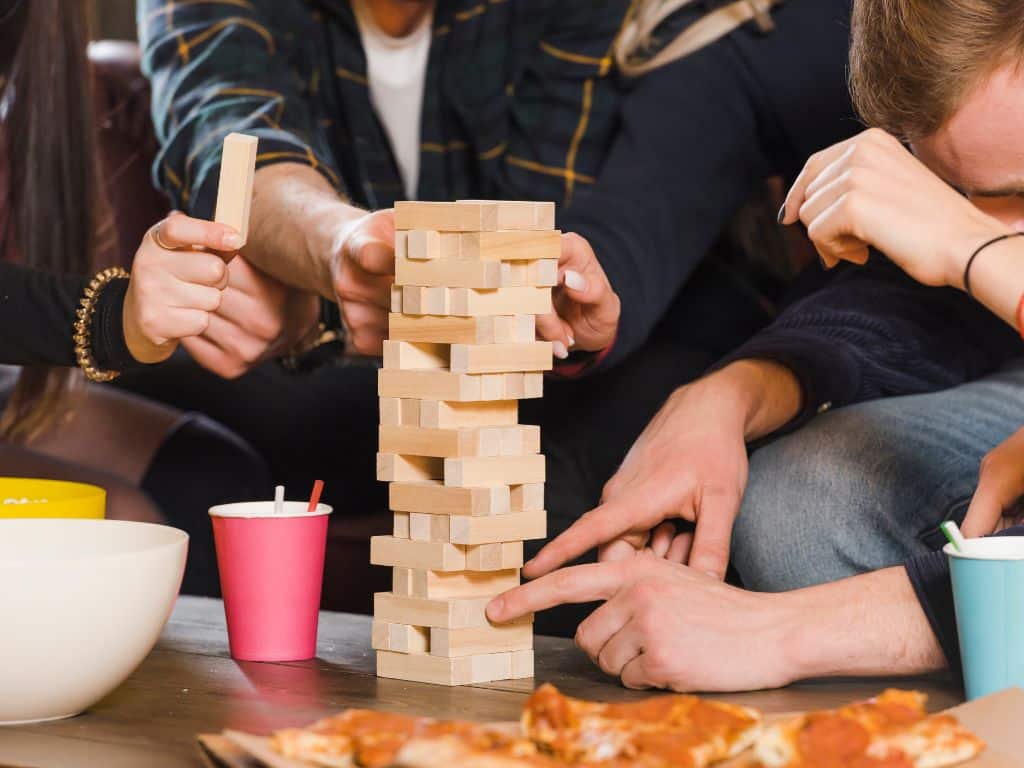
(712, 537)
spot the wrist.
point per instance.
(762, 394)
(981, 229)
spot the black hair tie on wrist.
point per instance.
(980, 248)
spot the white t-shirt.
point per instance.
(397, 71)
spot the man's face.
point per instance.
(980, 150)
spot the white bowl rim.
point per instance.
(1006, 548)
(175, 538)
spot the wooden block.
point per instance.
(423, 244)
(465, 302)
(432, 385)
(436, 585)
(234, 189)
(440, 670)
(401, 638)
(543, 272)
(499, 358)
(452, 330)
(521, 214)
(494, 557)
(402, 581)
(500, 470)
(511, 246)
(451, 613)
(427, 527)
(467, 441)
(517, 441)
(415, 356)
(446, 217)
(392, 468)
(522, 664)
(492, 386)
(512, 329)
(475, 640)
(426, 555)
(401, 245)
(428, 300)
(521, 386)
(528, 497)
(400, 411)
(515, 526)
(434, 498)
(402, 528)
(450, 272)
(443, 415)
(396, 298)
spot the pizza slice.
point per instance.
(483, 749)
(671, 730)
(892, 730)
(361, 738)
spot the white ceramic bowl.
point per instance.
(81, 604)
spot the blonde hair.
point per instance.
(634, 45)
(913, 62)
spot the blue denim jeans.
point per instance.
(866, 486)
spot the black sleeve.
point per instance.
(696, 137)
(929, 575)
(874, 332)
(37, 317)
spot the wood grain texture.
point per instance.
(472, 302)
(501, 470)
(461, 330)
(500, 358)
(476, 640)
(435, 498)
(189, 685)
(511, 246)
(516, 526)
(438, 585)
(444, 415)
(449, 613)
(425, 555)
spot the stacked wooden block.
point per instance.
(467, 480)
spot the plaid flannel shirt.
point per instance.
(520, 100)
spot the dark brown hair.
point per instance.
(51, 145)
(913, 62)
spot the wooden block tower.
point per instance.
(467, 480)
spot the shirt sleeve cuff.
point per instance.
(109, 347)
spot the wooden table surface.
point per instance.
(189, 684)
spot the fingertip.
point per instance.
(559, 350)
(231, 240)
(495, 609)
(574, 281)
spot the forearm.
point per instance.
(866, 625)
(298, 222)
(997, 280)
(762, 395)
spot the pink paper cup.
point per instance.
(271, 571)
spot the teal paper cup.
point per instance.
(988, 592)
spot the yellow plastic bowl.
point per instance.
(24, 497)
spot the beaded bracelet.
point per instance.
(83, 325)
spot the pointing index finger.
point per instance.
(598, 526)
(577, 584)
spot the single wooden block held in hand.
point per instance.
(431, 497)
(437, 585)
(494, 557)
(416, 356)
(440, 670)
(474, 640)
(425, 555)
(444, 415)
(501, 470)
(401, 638)
(500, 358)
(451, 613)
(234, 189)
(391, 468)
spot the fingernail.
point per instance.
(495, 607)
(231, 240)
(575, 280)
(572, 341)
(558, 348)
(782, 214)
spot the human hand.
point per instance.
(362, 271)
(586, 308)
(690, 463)
(174, 289)
(871, 191)
(665, 625)
(259, 318)
(997, 500)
